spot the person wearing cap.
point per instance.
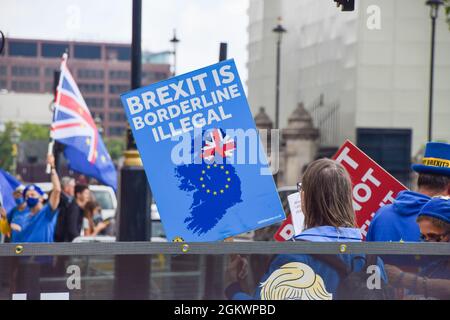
(40, 222)
(434, 280)
(434, 220)
(397, 221)
(17, 215)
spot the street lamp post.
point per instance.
(434, 10)
(15, 139)
(279, 30)
(98, 124)
(134, 195)
(174, 42)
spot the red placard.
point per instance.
(286, 231)
(373, 187)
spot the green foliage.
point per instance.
(116, 147)
(28, 132)
(6, 158)
(447, 11)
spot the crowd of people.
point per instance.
(70, 211)
(66, 213)
(326, 199)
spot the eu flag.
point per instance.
(74, 127)
(216, 185)
(7, 186)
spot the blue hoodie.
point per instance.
(397, 221)
(327, 273)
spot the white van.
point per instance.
(104, 195)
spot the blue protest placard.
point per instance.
(202, 155)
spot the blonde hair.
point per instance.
(328, 201)
(294, 281)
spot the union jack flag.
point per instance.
(218, 142)
(72, 117)
(74, 127)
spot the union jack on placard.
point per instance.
(72, 118)
(217, 142)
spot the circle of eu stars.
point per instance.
(214, 189)
(102, 157)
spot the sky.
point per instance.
(201, 25)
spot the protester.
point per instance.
(326, 193)
(67, 194)
(397, 221)
(39, 225)
(93, 223)
(434, 279)
(68, 188)
(17, 216)
(75, 213)
(434, 220)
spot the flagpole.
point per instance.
(56, 99)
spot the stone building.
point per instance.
(298, 144)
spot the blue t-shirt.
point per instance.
(19, 218)
(41, 226)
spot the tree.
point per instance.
(31, 131)
(447, 10)
(116, 147)
(28, 132)
(6, 148)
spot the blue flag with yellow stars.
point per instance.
(216, 187)
(202, 155)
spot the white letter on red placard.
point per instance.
(346, 158)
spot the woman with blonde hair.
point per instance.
(327, 204)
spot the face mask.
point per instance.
(32, 202)
(19, 201)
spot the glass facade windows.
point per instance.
(90, 74)
(84, 51)
(25, 86)
(91, 87)
(118, 53)
(53, 50)
(115, 103)
(93, 102)
(24, 71)
(117, 116)
(119, 74)
(118, 88)
(22, 48)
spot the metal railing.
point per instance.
(220, 248)
(146, 270)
